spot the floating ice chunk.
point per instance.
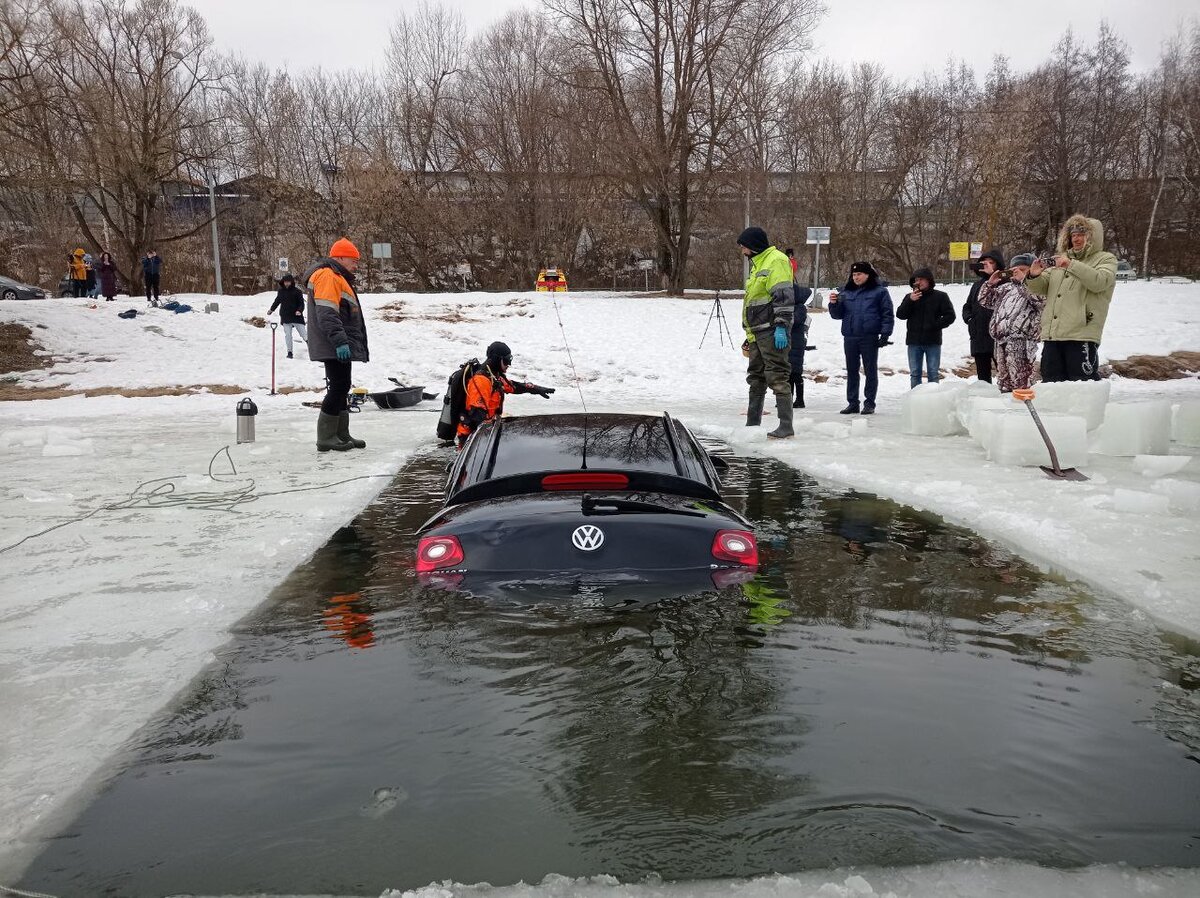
(1160, 465)
(970, 411)
(1082, 397)
(383, 801)
(1185, 428)
(1183, 495)
(929, 409)
(1014, 439)
(1138, 502)
(1134, 428)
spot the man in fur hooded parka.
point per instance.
(1078, 289)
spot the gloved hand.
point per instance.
(781, 337)
(544, 392)
(343, 352)
(884, 341)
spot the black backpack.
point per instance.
(455, 401)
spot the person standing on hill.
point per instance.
(338, 337)
(767, 321)
(977, 318)
(1078, 290)
(151, 274)
(106, 272)
(290, 302)
(865, 309)
(928, 312)
(78, 274)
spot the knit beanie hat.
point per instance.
(343, 249)
(1021, 259)
(754, 239)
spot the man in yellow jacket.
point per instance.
(767, 319)
(337, 336)
(1078, 290)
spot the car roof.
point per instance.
(511, 456)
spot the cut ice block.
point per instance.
(1160, 465)
(1184, 495)
(1082, 397)
(970, 411)
(1014, 439)
(1134, 428)
(1137, 502)
(928, 410)
(1185, 428)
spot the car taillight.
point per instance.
(737, 546)
(437, 552)
(584, 480)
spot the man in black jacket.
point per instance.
(290, 302)
(928, 312)
(978, 318)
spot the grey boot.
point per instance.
(783, 405)
(343, 432)
(755, 409)
(327, 434)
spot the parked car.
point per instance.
(607, 501)
(1125, 271)
(10, 289)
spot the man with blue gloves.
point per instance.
(767, 320)
(337, 336)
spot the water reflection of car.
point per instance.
(10, 289)
(563, 503)
(1125, 271)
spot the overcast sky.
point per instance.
(907, 37)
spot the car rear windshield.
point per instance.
(611, 442)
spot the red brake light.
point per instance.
(584, 480)
(437, 552)
(737, 546)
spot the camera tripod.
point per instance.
(722, 324)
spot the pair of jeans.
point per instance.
(287, 334)
(862, 351)
(932, 356)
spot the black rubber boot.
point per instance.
(755, 409)
(798, 384)
(783, 405)
(343, 432)
(327, 434)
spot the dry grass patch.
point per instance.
(1158, 367)
(14, 392)
(18, 348)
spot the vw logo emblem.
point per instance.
(587, 538)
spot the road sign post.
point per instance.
(817, 236)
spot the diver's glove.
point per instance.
(781, 337)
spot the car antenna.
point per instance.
(575, 375)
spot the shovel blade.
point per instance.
(1063, 473)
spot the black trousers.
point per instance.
(152, 284)
(78, 288)
(338, 375)
(1069, 360)
(983, 367)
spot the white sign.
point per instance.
(283, 263)
(818, 235)
(976, 250)
(646, 264)
(381, 250)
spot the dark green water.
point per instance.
(888, 691)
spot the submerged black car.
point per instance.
(550, 501)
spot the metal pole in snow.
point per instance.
(274, 327)
(212, 212)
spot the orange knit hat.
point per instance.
(344, 249)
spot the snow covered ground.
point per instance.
(103, 619)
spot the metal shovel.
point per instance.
(1054, 471)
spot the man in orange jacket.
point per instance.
(486, 390)
(337, 336)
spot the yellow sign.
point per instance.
(960, 252)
